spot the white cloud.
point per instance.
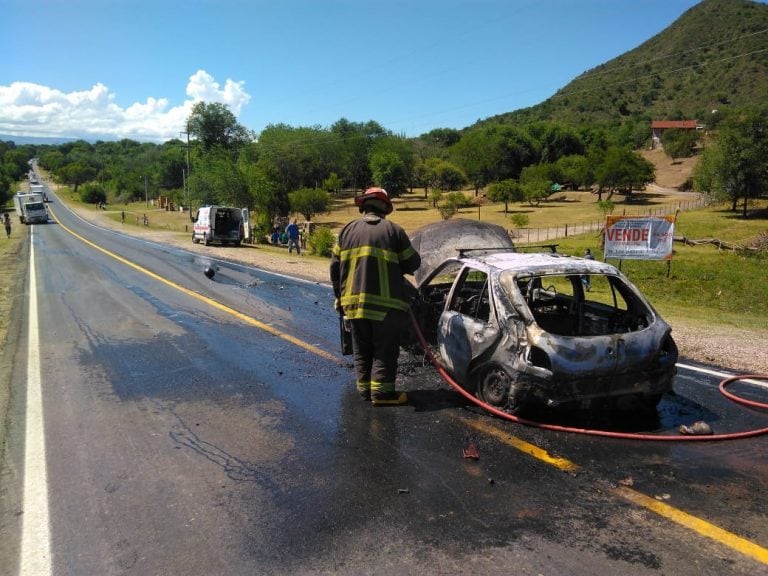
(28, 109)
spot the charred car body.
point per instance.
(520, 329)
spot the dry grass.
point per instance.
(11, 266)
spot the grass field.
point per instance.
(11, 266)
(413, 211)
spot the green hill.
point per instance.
(713, 57)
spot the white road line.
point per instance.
(723, 375)
(35, 535)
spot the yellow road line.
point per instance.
(671, 513)
(526, 447)
(696, 524)
(205, 299)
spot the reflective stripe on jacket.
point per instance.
(367, 267)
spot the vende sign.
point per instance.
(639, 238)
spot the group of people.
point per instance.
(293, 236)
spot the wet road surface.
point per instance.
(197, 426)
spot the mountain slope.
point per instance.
(714, 56)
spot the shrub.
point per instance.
(448, 211)
(321, 241)
(458, 199)
(93, 194)
(519, 220)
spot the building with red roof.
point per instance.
(658, 127)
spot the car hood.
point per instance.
(439, 241)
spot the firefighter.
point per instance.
(367, 268)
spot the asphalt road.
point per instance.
(194, 426)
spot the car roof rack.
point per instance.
(551, 247)
(463, 251)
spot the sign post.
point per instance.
(640, 237)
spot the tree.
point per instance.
(556, 141)
(736, 165)
(389, 172)
(218, 180)
(449, 176)
(623, 170)
(93, 194)
(356, 141)
(435, 196)
(76, 173)
(519, 220)
(506, 191)
(576, 170)
(213, 124)
(536, 183)
(333, 183)
(679, 143)
(493, 153)
(309, 201)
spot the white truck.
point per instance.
(30, 207)
(221, 224)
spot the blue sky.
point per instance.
(133, 68)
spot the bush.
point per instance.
(321, 241)
(93, 194)
(448, 211)
(458, 199)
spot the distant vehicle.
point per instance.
(30, 208)
(522, 329)
(220, 224)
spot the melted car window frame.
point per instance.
(609, 307)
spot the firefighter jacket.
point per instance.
(367, 267)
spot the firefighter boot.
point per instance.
(389, 398)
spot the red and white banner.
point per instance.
(639, 238)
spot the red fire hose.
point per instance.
(624, 435)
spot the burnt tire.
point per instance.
(493, 386)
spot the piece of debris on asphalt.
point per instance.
(628, 481)
(403, 491)
(699, 428)
(471, 452)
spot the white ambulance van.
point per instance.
(221, 224)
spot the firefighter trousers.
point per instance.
(376, 348)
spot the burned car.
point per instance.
(522, 329)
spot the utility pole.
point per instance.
(146, 193)
(189, 206)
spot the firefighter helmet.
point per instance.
(378, 194)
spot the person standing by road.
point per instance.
(585, 279)
(7, 224)
(367, 267)
(293, 237)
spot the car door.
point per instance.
(246, 225)
(467, 326)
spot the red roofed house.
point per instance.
(658, 127)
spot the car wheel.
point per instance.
(194, 239)
(493, 387)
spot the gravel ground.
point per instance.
(741, 351)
